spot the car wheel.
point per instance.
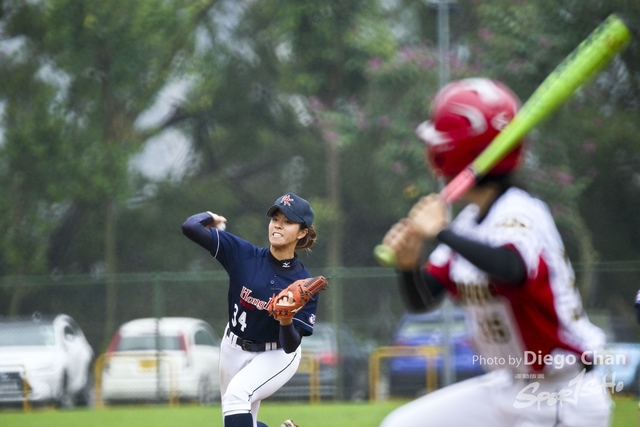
(358, 387)
(87, 396)
(65, 398)
(358, 395)
(205, 391)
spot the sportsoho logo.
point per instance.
(576, 388)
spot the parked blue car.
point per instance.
(407, 375)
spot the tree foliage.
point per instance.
(320, 98)
(103, 64)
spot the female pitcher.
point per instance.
(258, 354)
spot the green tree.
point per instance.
(269, 115)
(330, 44)
(522, 43)
(32, 153)
(113, 59)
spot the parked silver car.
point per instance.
(44, 360)
(172, 358)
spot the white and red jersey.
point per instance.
(508, 322)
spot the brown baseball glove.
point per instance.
(295, 296)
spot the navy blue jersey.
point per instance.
(254, 277)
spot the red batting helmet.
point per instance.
(466, 115)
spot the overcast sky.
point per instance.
(165, 155)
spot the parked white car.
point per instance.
(44, 360)
(162, 360)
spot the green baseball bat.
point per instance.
(586, 61)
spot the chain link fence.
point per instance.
(361, 310)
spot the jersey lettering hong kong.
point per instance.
(514, 326)
(254, 277)
(245, 305)
(246, 300)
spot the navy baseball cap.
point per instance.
(295, 208)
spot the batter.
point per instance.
(503, 259)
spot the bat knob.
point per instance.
(385, 256)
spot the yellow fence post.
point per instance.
(309, 363)
(428, 352)
(97, 374)
(26, 388)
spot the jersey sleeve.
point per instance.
(229, 249)
(195, 228)
(306, 318)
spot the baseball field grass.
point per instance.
(273, 414)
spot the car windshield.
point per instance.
(412, 328)
(148, 342)
(26, 334)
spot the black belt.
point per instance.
(248, 345)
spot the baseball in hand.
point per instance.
(287, 300)
(222, 221)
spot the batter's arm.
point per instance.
(502, 263)
(419, 290)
